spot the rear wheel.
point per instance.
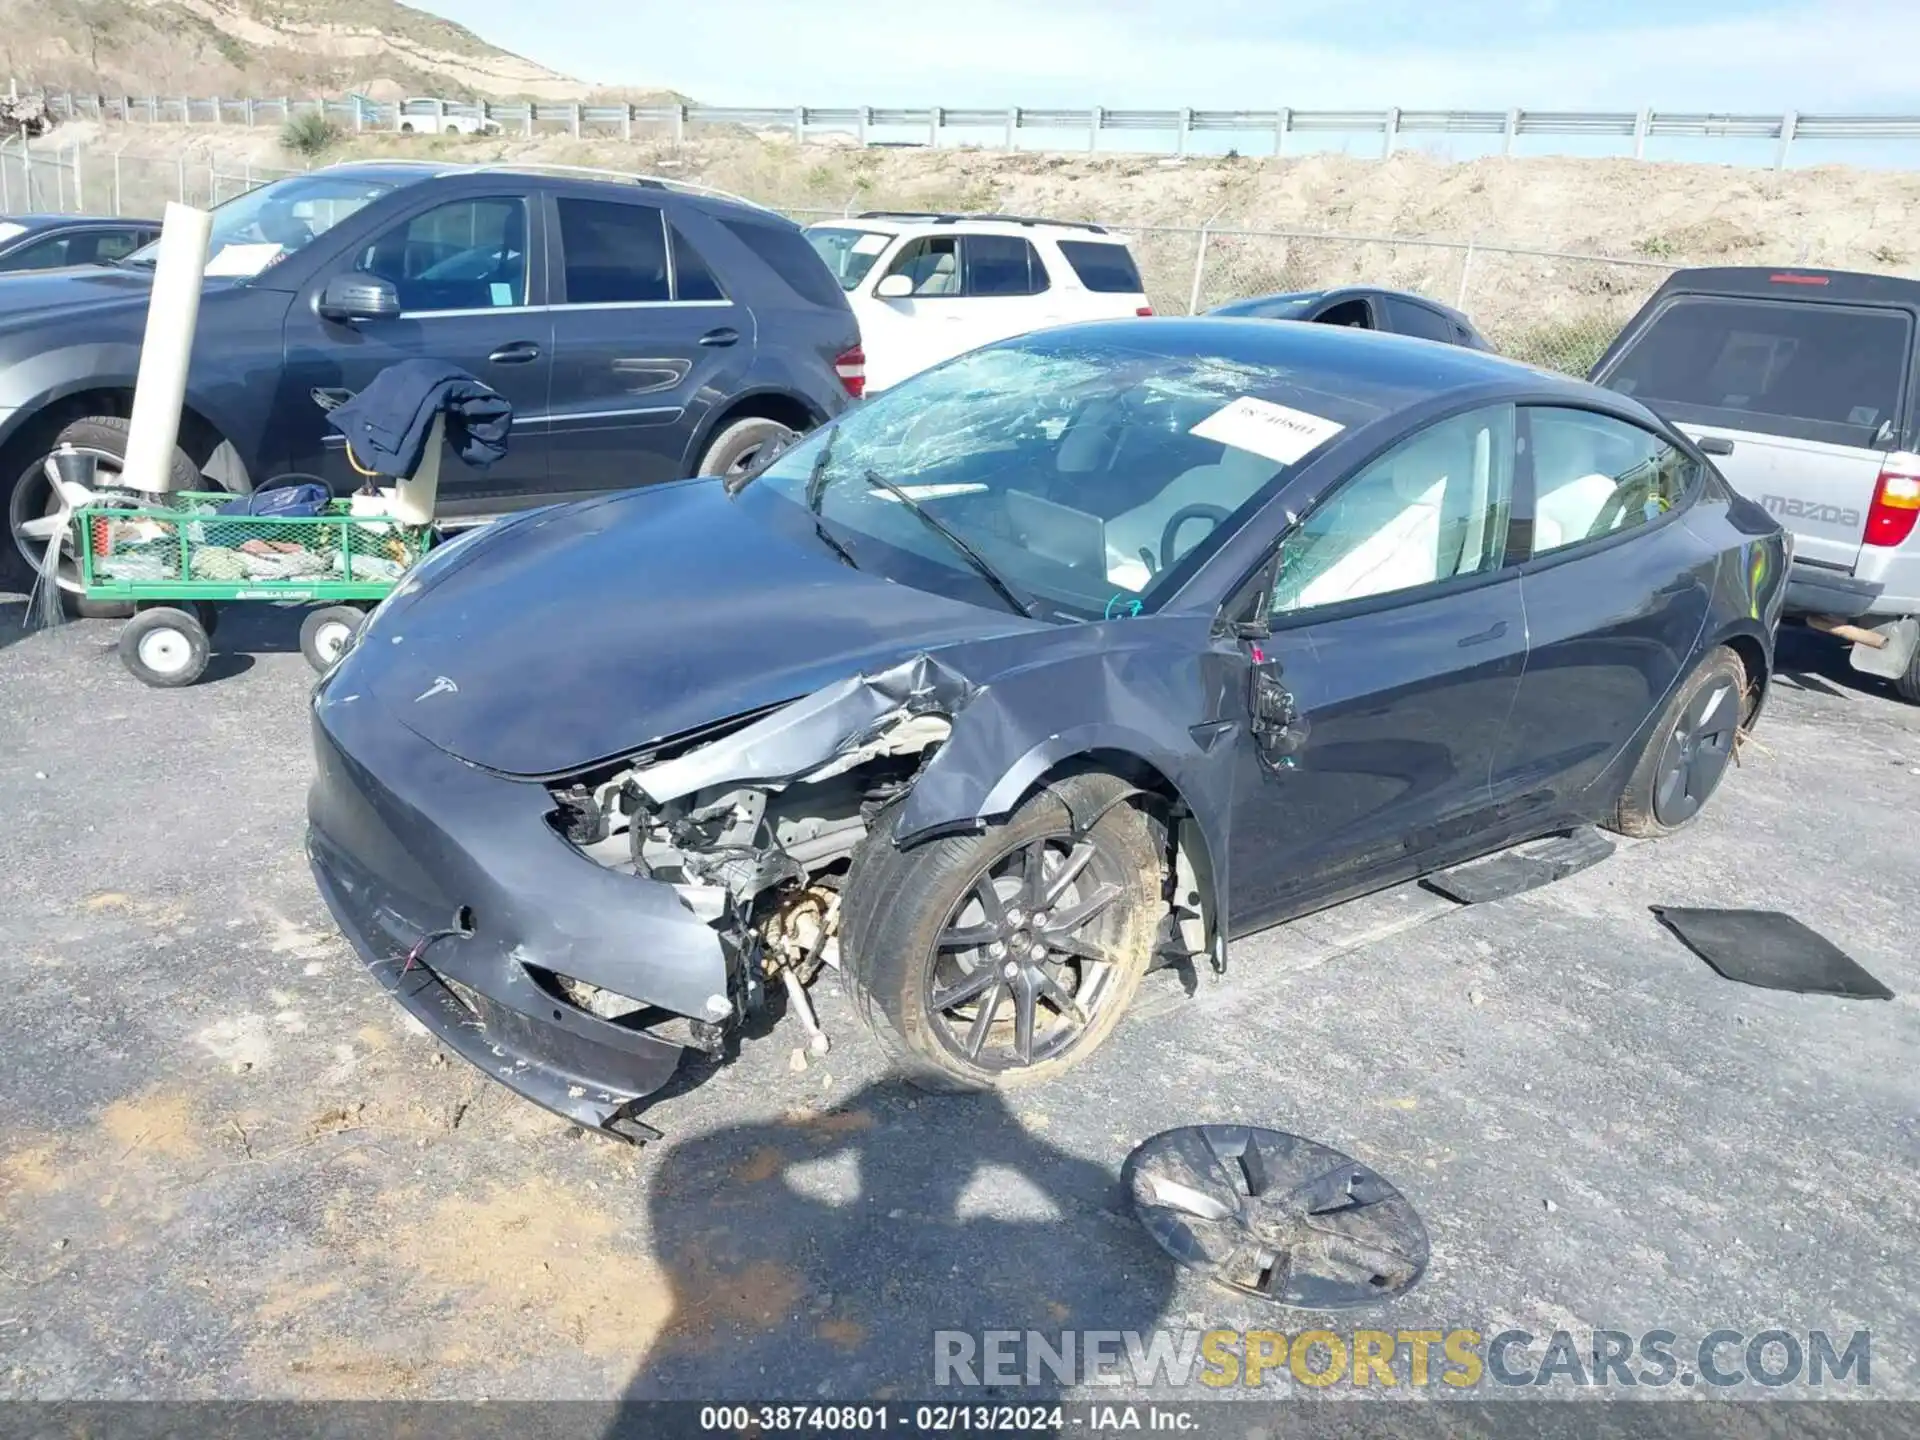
(1688, 752)
(745, 444)
(1907, 683)
(1004, 958)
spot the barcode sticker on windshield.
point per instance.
(1275, 431)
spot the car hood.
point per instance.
(30, 296)
(589, 631)
(85, 287)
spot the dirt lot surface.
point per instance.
(229, 1167)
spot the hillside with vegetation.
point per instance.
(260, 47)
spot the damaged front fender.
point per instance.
(800, 738)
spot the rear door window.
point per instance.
(1408, 317)
(1818, 372)
(693, 278)
(1103, 267)
(616, 253)
(1003, 265)
(1594, 476)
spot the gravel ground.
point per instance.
(229, 1168)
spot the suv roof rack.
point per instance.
(589, 172)
(943, 217)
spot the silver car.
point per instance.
(1800, 384)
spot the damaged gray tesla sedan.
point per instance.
(1077, 655)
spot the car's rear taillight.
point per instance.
(851, 367)
(1144, 310)
(1896, 501)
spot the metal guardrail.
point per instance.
(1390, 124)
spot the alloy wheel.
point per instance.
(1019, 973)
(34, 499)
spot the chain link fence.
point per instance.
(1545, 307)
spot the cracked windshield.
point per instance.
(1079, 475)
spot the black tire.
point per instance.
(326, 634)
(205, 611)
(1907, 683)
(1688, 751)
(164, 647)
(29, 497)
(899, 904)
(744, 444)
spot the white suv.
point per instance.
(928, 287)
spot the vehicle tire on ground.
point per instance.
(1688, 750)
(327, 632)
(29, 497)
(744, 444)
(1003, 958)
(164, 647)
(1907, 683)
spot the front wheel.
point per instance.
(1688, 751)
(1004, 958)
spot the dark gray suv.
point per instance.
(644, 330)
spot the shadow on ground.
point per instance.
(894, 1216)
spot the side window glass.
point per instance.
(1594, 475)
(1418, 321)
(692, 279)
(1432, 508)
(465, 255)
(1351, 313)
(932, 263)
(616, 253)
(1003, 265)
(44, 256)
(111, 245)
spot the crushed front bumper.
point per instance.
(466, 906)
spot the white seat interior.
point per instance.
(1228, 482)
(1571, 486)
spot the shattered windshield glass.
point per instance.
(264, 226)
(1080, 472)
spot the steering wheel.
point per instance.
(1213, 513)
(1616, 504)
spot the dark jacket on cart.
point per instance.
(387, 423)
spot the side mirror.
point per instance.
(895, 287)
(348, 298)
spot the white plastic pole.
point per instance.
(172, 313)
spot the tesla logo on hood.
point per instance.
(441, 686)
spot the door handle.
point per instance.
(725, 335)
(1716, 445)
(520, 352)
(1492, 632)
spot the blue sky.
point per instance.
(1814, 55)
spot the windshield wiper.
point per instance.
(940, 528)
(816, 492)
